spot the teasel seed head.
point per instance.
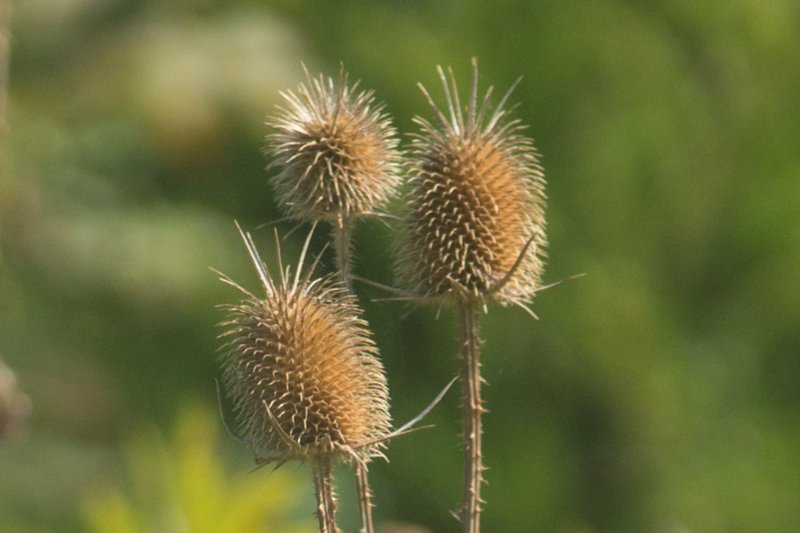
(303, 371)
(474, 226)
(15, 406)
(336, 150)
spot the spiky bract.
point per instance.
(477, 200)
(304, 373)
(336, 149)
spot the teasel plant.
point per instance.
(473, 233)
(15, 406)
(338, 158)
(304, 376)
(337, 155)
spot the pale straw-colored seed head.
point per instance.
(14, 404)
(302, 370)
(474, 225)
(336, 150)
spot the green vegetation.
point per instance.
(182, 486)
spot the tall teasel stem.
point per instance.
(473, 233)
(337, 154)
(304, 374)
(326, 498)
(342, 242)
(472, 409)
(364, 498)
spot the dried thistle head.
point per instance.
(474, 226)
(303, 371)
(15, 406)
(336, 150)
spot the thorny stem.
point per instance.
(364, 498)
(342, 231)
(342, 242)
(326, 500)
(469, 314)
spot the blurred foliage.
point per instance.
(658, 393)
(182, 486)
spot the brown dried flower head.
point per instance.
(336, 149)
(15, 406)
(303, 371)
(474, 226)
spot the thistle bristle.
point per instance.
(477, 198)
(304, 374)
(336, 150)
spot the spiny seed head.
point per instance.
(474, 225)
(14, 404)
(303, 371)
(336, 150)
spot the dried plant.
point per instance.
(474, 232)
(474, 227)
(15, 407)
(337, 154)
(304, 375)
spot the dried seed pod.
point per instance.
(15, 406)
(474, 226)
(303, 371)
(336, 149)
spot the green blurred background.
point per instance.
(661, 392)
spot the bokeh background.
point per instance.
(661, 392)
